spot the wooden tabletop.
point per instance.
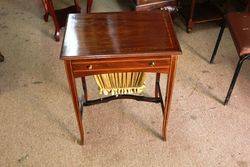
(114, 35)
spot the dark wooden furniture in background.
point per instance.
(143, 5)
(146, 5)
(59, 16)
(239, 26)
(89, 5)
(199, 12)
(124, 42)
(236, 5)
(207, 11)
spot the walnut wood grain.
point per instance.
(113, 35)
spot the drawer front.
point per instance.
(96, 67)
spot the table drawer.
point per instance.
(118, 66)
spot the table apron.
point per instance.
(81, 73)
(93, 67)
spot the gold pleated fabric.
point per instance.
(121, 83)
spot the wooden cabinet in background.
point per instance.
(154, 4)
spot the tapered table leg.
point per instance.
(169, 92)
(73, 89)
(157, 81)
(84, 87)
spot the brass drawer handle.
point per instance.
(90, 67)
(152, 64)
